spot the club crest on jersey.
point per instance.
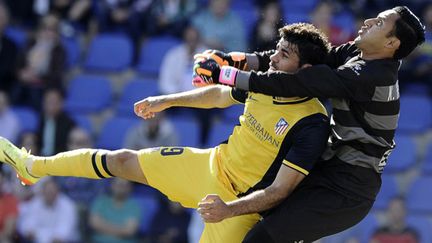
(281, 126)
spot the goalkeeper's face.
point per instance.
(285, 58)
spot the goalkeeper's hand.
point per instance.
(233, 59)
(208, 71)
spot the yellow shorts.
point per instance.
(186, 175)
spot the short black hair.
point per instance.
(313, 45)
(409, 30)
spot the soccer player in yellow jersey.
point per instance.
(273, 148)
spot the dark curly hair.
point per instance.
(312, 44)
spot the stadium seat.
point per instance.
(247, 13)
(365, 229)
(231, 114)
(83, 122)
(113, 133)
(27, 117)
(415, 114)
(188, 130)
(153, 52)
(422, 225)
(291, 17)
(17, 35)
(73, 50)
(389, 189)
(419, 196)
(427, 163)
(303, 6)
(109, 52)
(134, 91)
(87, 94)
(219, 133)
(404, 156)
(149, 207)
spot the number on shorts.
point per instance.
(171, 151)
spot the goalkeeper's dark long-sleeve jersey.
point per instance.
(364, 95)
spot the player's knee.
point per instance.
(258, 234)
(120, 157)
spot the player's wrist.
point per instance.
(228, 75)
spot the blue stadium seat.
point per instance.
(231, 114)
(415, 114)
(427, 163)
(291, 17)
(365, 229)
(109, 52)
(404, 156)
(153, 52)
(113, 133)
(388, 190)
(149, 207)
(247, 13)
(73, 50)
(304, 5)
(134, 91)
(27, 117)
(220, 132)
(188, 131)
(422, 225)
(17, 35)
(419, 196)
(83, 122)
(87, 94)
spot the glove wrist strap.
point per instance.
(228, 75)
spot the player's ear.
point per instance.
(305, 65)
(393, 43)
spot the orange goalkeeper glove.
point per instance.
(233, 59)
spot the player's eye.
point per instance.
(380, 23)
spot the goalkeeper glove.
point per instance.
(233, 59)
(208, 71)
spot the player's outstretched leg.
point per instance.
(89, 163)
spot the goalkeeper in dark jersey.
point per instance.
(361, 80)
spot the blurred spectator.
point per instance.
(396, 229)
(195, 227)
(170, 223)
(9, 124)
(41, 65)
(170, 16)
(55, 124)
(8, 53)
(220, 27)
(115, 217)
(322, 17)
(126, 16)
(8, 214)
(151, 133)
(81, 190)
(177, 65)
(266, 31)
(29, 141)
(22, 12)
(176, 76)
(50, 217)
(74, 14)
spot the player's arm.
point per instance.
(213, 209)
(309, 141)
(214, 96)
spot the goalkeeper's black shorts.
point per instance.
(333, 197)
